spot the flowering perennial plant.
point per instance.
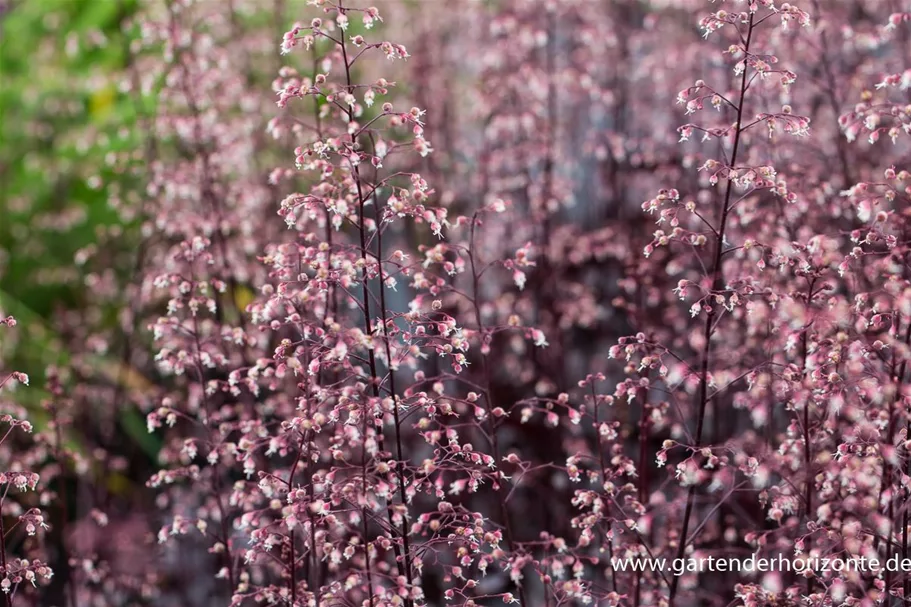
(403, 333)
(21, 521)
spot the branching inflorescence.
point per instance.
(382, 371)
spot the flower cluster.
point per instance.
(397, 331)
(20, 565)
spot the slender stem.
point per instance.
(603, 468)
(216, 479)
(906, 584)
(403, 561)
(64, 503)
(293, 566)
(807, 450)
(400, 468)
(491, 427)
(717, 285)
(642, 395)
(300, 450)
(7, 597)
(898, 378)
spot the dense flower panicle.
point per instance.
(572, 283)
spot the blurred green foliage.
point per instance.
(62, 118)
